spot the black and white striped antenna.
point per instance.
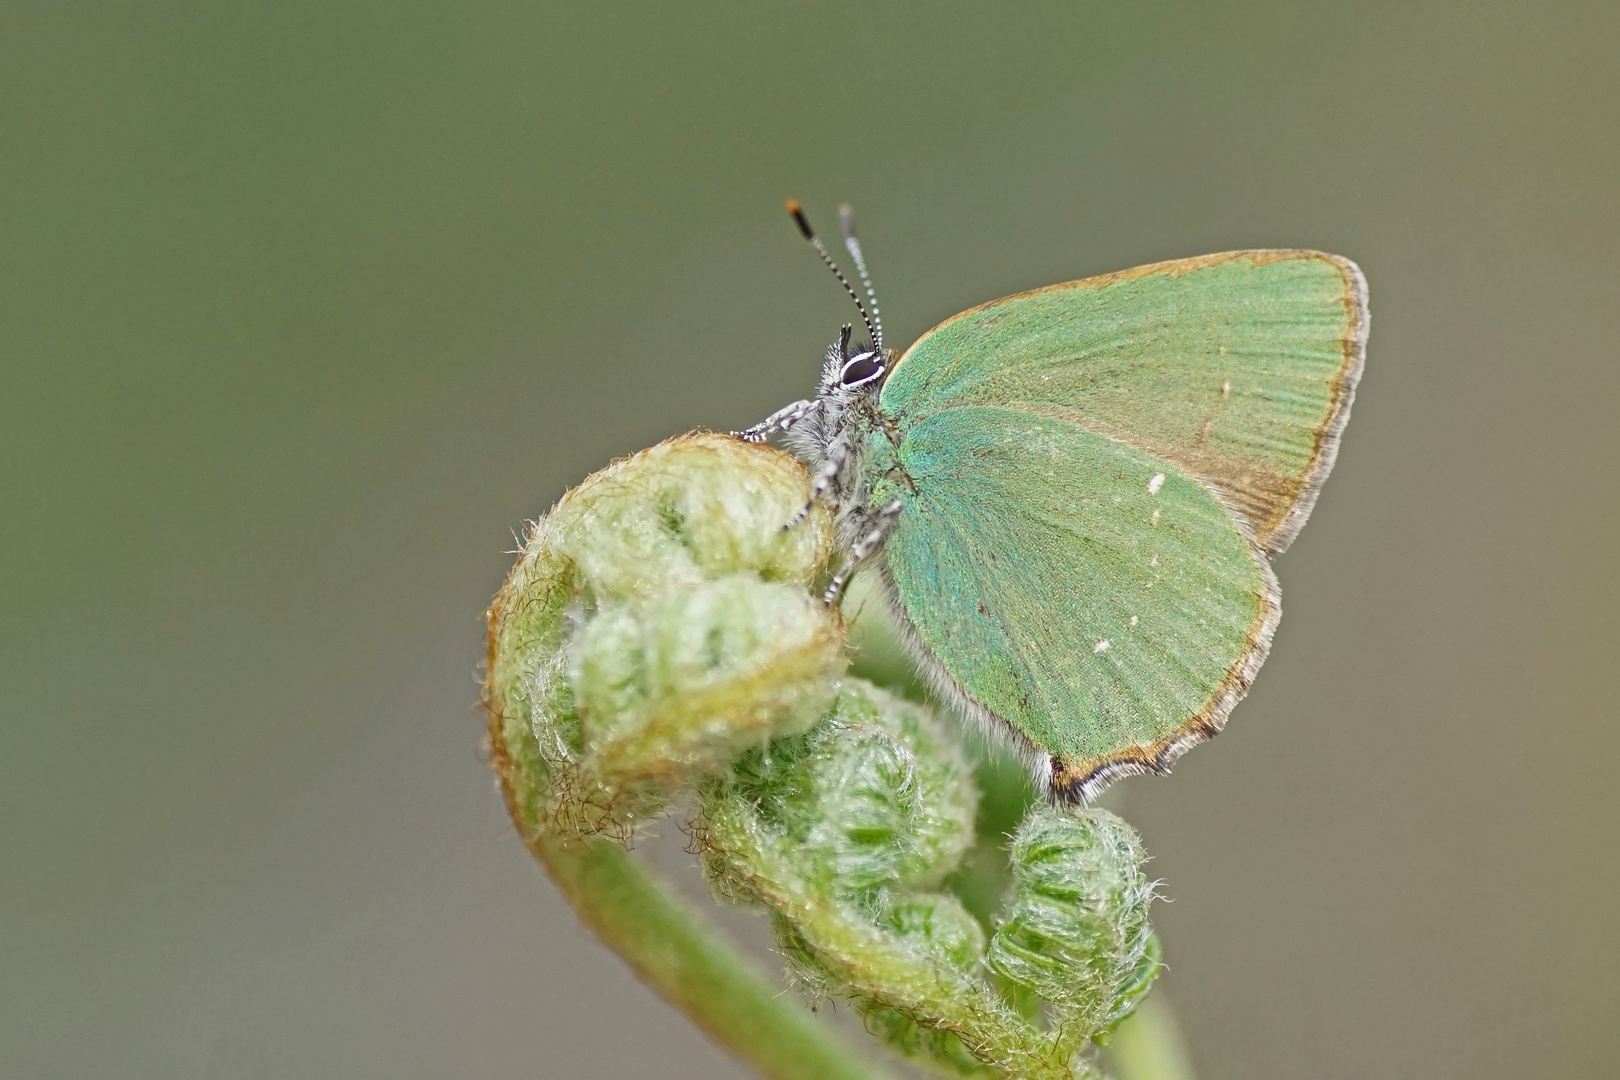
(873, 329)
(846, 222)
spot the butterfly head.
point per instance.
(847, 372)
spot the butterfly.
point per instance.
(1072, 495)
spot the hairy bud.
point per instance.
(1076, 932)
(659, 621)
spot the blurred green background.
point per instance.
(305, 307)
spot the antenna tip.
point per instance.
(799, 219)
(846, 218)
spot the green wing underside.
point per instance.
(1110, 619)
(1238, 367)
(1095, 598)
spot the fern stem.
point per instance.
(680, 957)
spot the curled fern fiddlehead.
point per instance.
(661, 637)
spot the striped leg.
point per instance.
(877, 527)
(825, 474)
(780, 420)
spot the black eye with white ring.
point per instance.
(860, 370)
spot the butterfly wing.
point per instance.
(1102, 604)
(1239, 368)
(1092, 476)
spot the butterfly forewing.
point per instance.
(1238, 367)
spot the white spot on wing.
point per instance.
(1133, 620)
(1156, 483)
(1101, 646)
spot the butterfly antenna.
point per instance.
(821, 249)
(846, 222)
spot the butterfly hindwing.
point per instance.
(1099, 601)
(1238, 367)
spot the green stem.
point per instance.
(1149, 1046)
(679, 955)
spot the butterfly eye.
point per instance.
(861, 369)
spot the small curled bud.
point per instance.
(1077, 931)
(938, 924)
(877, 796)
(688, 682)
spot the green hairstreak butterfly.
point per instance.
(1072, 494)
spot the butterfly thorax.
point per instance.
(842, 433)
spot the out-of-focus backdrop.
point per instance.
(305, 307)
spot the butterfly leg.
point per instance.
(780, 420)
(826, 473)
(877, 527)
